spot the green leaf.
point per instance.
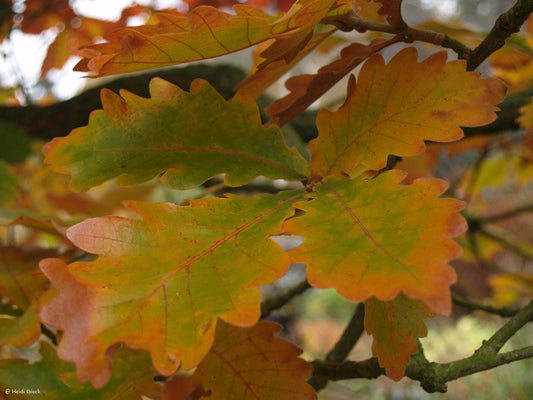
(42, 376)
(191, 137)
(53, 379)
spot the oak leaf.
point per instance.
(306, 88)
(21, 285)
(251, 363)
(263, 78)
(394, 108)
(54, 379)
(161, 282)
(395, 325)
(393, 238)
(191, 137)
(205, 32)
(42, 375)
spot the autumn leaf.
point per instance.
(251, 363)
(392, 9)
(395, 326)
(395, 107)
(306, 88)
(205, 32)
(54, 379)
(20, 278)
(191, 137)
(392, 238)
(263, 78)
(161, 282)
(299, 23)
(21, 285)
(42, 375)
(74, 31)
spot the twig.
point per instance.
(336, 371)
(342, 348)
(434, 376)
(496, 342)
(523, 249)
(507, 214)
(501, 311)
(506, 24)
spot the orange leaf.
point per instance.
(251, 363)
(20, 278)
(205, 32)
(395, 107)
(393, 238)
(258, 82)
(395, 326)
(161, 282)
(392, 10)
(306, 88)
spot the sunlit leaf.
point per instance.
(189, 136)
(161, 281)
(251, 363)
(395, 107)
(376, 238)
(395, 326)
(205, 32)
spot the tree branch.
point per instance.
(434, 376)
(342, 348)
(60, 118)
(501, 311)
(506, 24)
(275, 302)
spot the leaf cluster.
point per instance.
(139, 288)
